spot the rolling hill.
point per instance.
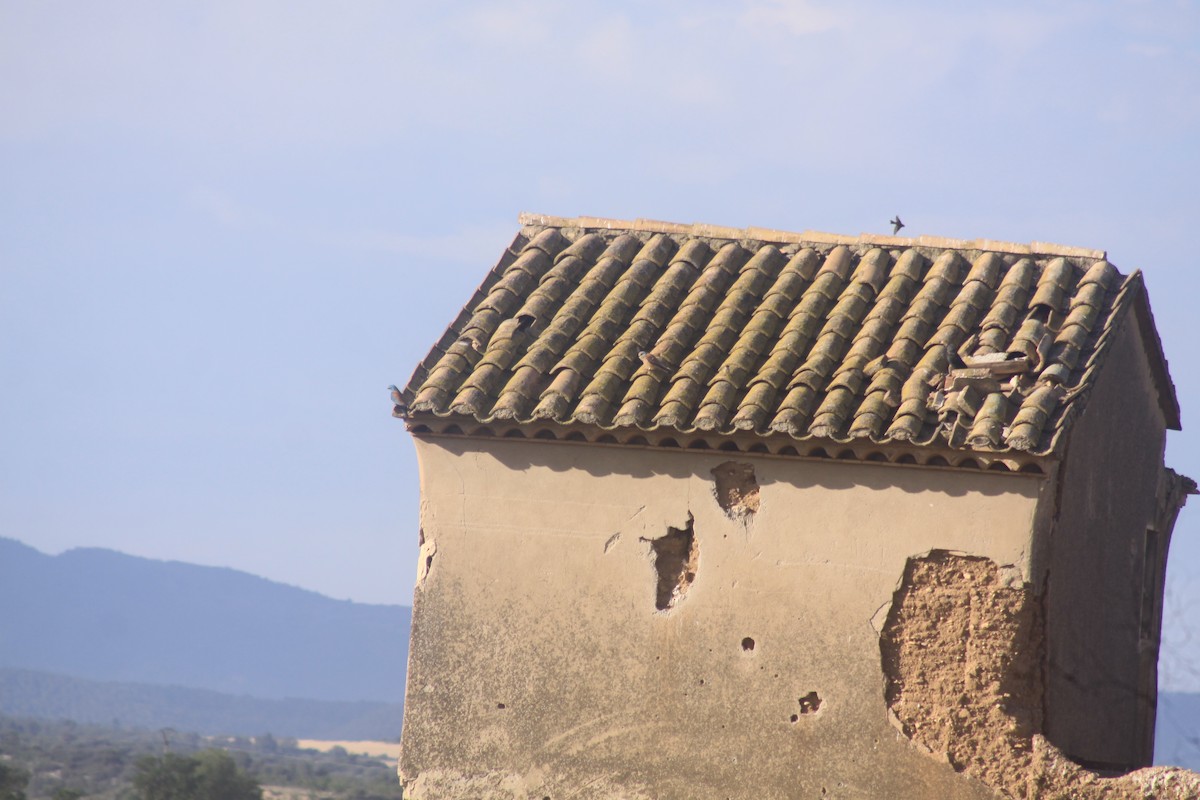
(106, 616)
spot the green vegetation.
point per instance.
(208, 775)
(43, 760)
(13, 781)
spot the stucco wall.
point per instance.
(541, 665)
(1109, 480)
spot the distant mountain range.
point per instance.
(106, 616)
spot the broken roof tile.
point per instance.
(814, 335)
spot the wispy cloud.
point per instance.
(794, 17)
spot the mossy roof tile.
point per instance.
(815, 335)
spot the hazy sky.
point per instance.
(225, 227)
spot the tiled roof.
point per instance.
(977, 345)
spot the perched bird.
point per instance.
(472, 342)
(896, 224)
(954, 359)
(399, 407)
(652, 361)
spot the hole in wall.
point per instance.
(676, 557)
(748, 645)
(426, 549)
(810, 703)
(736, 489)
(501, 706)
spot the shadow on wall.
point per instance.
(833, 474)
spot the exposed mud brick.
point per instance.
(736, 489)
(961, 656)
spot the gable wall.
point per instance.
(1107, 501)
(541, 665)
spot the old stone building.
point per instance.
(726, 513)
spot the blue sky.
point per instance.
(225, 227)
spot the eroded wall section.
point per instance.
(961, 652)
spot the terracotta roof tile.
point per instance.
(814, 335)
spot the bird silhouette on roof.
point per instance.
(399, 407)
(652, 361)
(896, 224)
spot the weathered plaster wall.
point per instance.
(1108, 499)
(546, 661)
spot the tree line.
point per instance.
(62, 760)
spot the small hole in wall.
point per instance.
(810, 703)
(501, 706)
(795, 718)
(736, 489)
(748, 644)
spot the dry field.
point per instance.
(386, 750)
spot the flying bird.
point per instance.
(652, 361)
(896, 224)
